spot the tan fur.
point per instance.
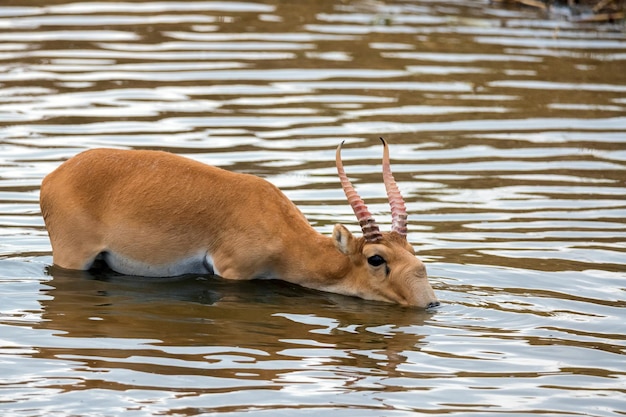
(154, 208)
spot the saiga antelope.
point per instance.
(152, 213)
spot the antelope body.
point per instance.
(152, 213)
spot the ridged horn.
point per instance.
(398, 208)
(370, 229)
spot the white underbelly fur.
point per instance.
(202, 263)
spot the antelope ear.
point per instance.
(343, 239)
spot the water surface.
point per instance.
(508, 140)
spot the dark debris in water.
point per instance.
(599, 11)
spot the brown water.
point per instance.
(508, 139)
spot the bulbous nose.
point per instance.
(433, 304)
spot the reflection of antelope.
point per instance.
(157, 214)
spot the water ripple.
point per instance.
(507, 140)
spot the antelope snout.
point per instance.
(423, 294)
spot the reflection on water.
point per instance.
(507, 136)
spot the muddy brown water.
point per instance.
(508, 140)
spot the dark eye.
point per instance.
(376, 260)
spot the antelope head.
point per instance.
(384, 266)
